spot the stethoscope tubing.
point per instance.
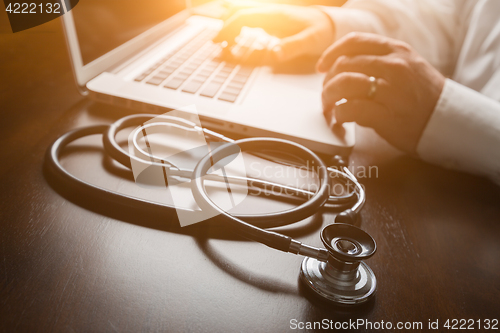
(248, 225)
(114, 150)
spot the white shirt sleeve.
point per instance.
(430, 26)
(463, 132)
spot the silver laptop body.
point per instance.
(155, 55)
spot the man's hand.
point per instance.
(303, 30)
(407, 87)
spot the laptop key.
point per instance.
(170, 69)
(192, 87)
(191, 66)
(176, 63)
(210, 67)
(174, 83)
(211, 89)
(159, 76)
(165, 72)
(234, 84)
(182, 76)
(226, 70)
(232, 90)
(188, 71)
(239, 78)
(219, 79)
(224, 75)
(201, 79)
(140, 77)
(228, 97)
(155, 80)
(206, 72)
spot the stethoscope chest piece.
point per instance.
(344, 279)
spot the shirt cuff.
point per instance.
(463, 132)
(347, 20)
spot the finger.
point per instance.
(294, 46)
(350, 85)
(355, 44)
(366, 64)
(364, 112)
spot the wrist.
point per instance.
(328, 27)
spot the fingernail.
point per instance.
(340, 102)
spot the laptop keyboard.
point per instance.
(197, 67)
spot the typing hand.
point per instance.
(400, 101)
(303, 30)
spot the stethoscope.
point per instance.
(336, 272)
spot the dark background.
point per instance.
(70, 264)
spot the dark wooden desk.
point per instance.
(66, 268)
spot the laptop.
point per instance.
(156, 55)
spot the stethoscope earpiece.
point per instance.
(344, 279)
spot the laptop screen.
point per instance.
(102, 25)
